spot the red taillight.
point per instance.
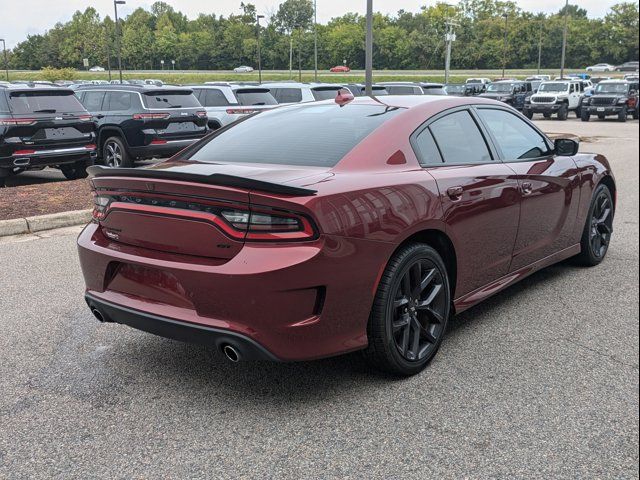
(158, 142)
(91, 146)
(268, 226)
(84, 118)
(100, 206)
(241, 111)
(16, 121)
(151, 116)
(201, 114)
(24, 152)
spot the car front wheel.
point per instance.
(563, 113)
(585, 116)
(115, 155)
(410, 311)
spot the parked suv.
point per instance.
(612, 97)
(555, 97)
(44, 126)
(511, 92)
(228, 103)
(136, 122)
(293, 92)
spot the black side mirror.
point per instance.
(565, 147)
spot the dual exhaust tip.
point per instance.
(230, 352)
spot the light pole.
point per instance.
(118, 33)
(504, 52)
(162, 64)
(300, 53)
(259, 49)
(368, 61)
(564, 38)
(540, 50)
(6, 62)
(173, 64)
(315, 39)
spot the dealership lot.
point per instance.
(541, 380)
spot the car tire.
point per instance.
(546, 115)
(601, 117)
(76, 171)
(635, 114)
(410, 311)
(578, 112)
(598, 228)
(563, 113)
(585, 116)
(115, 155)
(528, 114)
(622, 116)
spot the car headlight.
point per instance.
(586, 100)
(622, 101)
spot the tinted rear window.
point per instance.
(177, 99)
(255, 97)
(325, 93)
(287, 95)
(44, 102)
(310, 135)
(402, 90)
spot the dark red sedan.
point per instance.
(318, 229)
(340, 69)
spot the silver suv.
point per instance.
(226, 103)
(293, 92)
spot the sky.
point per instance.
(19, 17)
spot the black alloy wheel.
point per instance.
(115, 155)
(410, 312)
(598, 229)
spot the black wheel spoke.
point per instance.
(401, 322)
(401, 302)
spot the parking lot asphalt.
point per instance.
(540, 381)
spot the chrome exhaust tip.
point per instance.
(97, 314)
(232, 354)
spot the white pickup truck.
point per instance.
(557, 97)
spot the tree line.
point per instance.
(406, 40)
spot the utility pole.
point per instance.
(368, 62)
(259, 52)
(300, 54)
(291, 54)
(118, 33)
(315, 40)
(540, 50)
(564, 38)
(450, 37)
(6, 62)
(504, 52)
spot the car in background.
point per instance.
(631, 77)
(358, 89)
(511, 92)
(243, 69)
(228, 103)
(596, 80)
(154, 82)
(432, 88)
(402, 88)
(601, 67)
(138, 122)
(63, 83)
(43, 126)
(459, 89)
(542, 78)
(557, 97)
(628, 67)
(96, 69)
(319, 229)
(612, 97)
(340, 69)
(480, 84)
(294, 92)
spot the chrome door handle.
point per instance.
(527, 188)
(455, 193)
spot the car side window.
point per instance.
(287, 95)
(4, 106)
(427, 150)
(215, 98)
(516, 139)
(118, 101)
(92, 101)
(459, 139)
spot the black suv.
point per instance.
(42, 126)
(511, 92)
(612, 97)
(136, 122)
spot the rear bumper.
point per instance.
(162, 150)
(297, 301)
(177, 330)
(48, 157)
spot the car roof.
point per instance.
(134, 88)
(33, 87)
(615, 80)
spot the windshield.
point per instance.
(500, 87)
(44, 102)
(558, 87)
(176, 99)
(611, 88)
(255, 98)
(281, 136)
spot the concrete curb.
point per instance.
(21, 226)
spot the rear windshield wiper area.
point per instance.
(45, 110)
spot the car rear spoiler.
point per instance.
(98, 171)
